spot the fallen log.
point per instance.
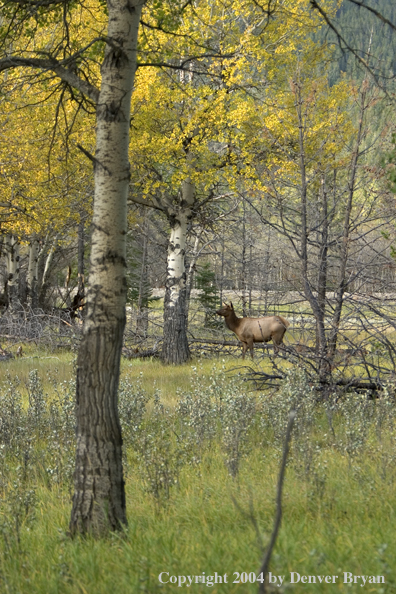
(356, 384)
(234, 343)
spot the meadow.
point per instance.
(202, 456)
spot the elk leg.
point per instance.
(250, 344)
(244, 349)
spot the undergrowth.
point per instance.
(200, 481)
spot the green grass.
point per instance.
(338, 514)
(201, 530)
(60, 363)
(169, 379)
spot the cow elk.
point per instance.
(250, 330)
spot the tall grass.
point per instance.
(201, 469)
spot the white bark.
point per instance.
(176, 260)
(49, 260)
(112, 167)
(80, 255)
(190, 271)
(12, 247)
(177, 243)
(99, 493)
(32, 275)
(175, 344)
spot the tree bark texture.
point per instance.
(13, 268)
(99, 493)
(175, 348)
(175, 344)
(44, 284)
(244, 262)
(190, 272)
(32, 276)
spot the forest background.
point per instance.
(216, 161)
(261, 150)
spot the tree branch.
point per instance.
(52, 65)
(278, 516)
(377, 14)
(150, 203)
(343, 43)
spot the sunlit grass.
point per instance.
(338, 507)
(205, 527)
(168, 379)
(58, 364)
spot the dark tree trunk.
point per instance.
(99, 494)
(175, 347)
(343, 281)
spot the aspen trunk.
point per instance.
(190, 274)
(243, 269)
(32, 276)
(175, 344)
(12, 246)
(44, 285)
(99, 492)
(222, 271)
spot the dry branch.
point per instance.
(278, 515)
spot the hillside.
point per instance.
(372, 40)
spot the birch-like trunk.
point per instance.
(12, 247)
(32, 276)
(99, 492)
(175, 344)
(44, 285)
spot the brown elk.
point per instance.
(250, 330)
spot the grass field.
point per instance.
(201, 461)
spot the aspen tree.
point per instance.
(99, 493)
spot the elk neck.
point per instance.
(232, 321)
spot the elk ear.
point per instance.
(231, 305)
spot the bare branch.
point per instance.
(278, 516)
(149, 203)
(343, 42)
(377, 14)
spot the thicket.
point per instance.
(201, 478)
